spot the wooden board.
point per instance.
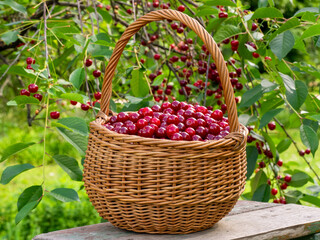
(248, 220)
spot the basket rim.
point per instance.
(233, 138)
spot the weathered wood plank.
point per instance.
(248, 220)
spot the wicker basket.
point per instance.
(158, 185)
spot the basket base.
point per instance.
(166, 219)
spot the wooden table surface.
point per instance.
(248, 220)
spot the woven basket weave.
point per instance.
(158, 185)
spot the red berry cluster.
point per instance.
(175, 121)
(30, 61)
(32, 88)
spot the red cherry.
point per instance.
(165, 105)
(301, 153)
(153, 37)
(134, 116)
(186, 136)
(307, 151)
(283, 201)
(155, 121)
(122, 117)
(274, 191)
(96, 73)
(284, 186)
(192, 122)
(97, 95)
(108, 7)
(234, 45)
(24, 92)
(123, 130)
(255, 55)
(147, 111)
(190, 131)
(38, 96)
(176, 137)
(214, 129)
(161, 132)
(88, 62)
(129, 11)
(55, 115)
(280, 163)
(141, 123)
(239, 86)
(267, 58)
(272, 125)
(223, 15)
(29, 60)
(155, 4)
(254, 27)
(33, 88)
(181, 8)
(171, 129)
(147, 131)
(217, 115)
(201, 131)
(156, 56)
(85, 107)
(262, 164)
(196, 138)
(174, 26)
(180, 30)
(29, 67)
(287, 178)
(73, 102)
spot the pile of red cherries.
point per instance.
(175, 121)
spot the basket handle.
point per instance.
(200, 31)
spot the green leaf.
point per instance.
(270, 143)
(296, 91)
(105, 15)
(316, 117)
(291, 23)
(15, 148)
(262, 3)
(9, 37)
(252, 156)
(309, 138)
(225, 32)
(75, 139)
(307, 9)
(282, 44)
(293, 196)
(259, 179)
(298, 97)
(75, 97)
(283, 145)
(299, 179)
(251, 96)
(158, 80)
(267, 12)
(205, 11)
(246, 119)
(266, 118)
(16, 70)
(22, 100)
(138, 84)
(309, 17)
(15, 6)
(25, 211)
(268, 86)
(311, 199)
(262, 194)
(70, 166)
(30, 194)
(76, 124)
(77, 77)
(314, 30)
(220, 2)
(10, 172)
(64, 194)
(313, 124)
